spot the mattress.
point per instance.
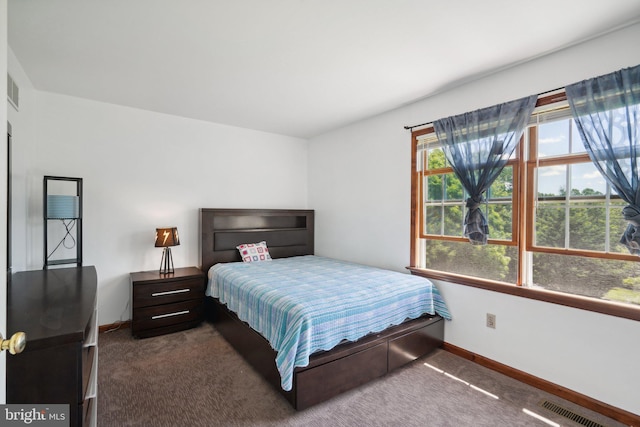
(305, 304)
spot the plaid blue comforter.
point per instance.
(309, 303)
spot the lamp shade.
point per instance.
(63, 207)
(167, 237)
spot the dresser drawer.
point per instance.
(168, 314)
(151, 294)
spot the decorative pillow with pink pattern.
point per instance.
(254, 252)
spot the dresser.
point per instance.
(57, 310)
(166, 302)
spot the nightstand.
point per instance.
(165, 303)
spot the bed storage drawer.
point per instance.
(412, 345)
(327, 380)
(355, 363)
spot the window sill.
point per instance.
(575, 301)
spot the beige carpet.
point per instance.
(194, 378)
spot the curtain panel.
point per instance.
(607, 114)
(478, 145)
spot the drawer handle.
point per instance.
(161, 294)
(177, 313)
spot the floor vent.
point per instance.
(577, 418)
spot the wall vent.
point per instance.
(567, 413)
(13, 92)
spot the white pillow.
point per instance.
(254, 252)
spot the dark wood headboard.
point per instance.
(288, 232)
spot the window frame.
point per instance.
(531, 165)
(522, 233)
(515, 208)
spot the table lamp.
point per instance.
(165, 238)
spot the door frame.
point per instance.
(5, 232)
(4, 60)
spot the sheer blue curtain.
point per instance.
(607, 113)
(478, 145)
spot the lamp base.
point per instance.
(166, 263)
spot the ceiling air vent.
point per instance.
(12, 92)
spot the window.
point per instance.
(554, 222)
(442, 217)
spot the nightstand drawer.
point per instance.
(151, 294)
(168, 314)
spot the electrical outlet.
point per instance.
(491, 321)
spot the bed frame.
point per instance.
(329, 373)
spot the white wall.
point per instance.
(359, 184)
(23, 152)
(141, 170)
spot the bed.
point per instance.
(290, 238)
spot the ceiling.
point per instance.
(292, 67)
